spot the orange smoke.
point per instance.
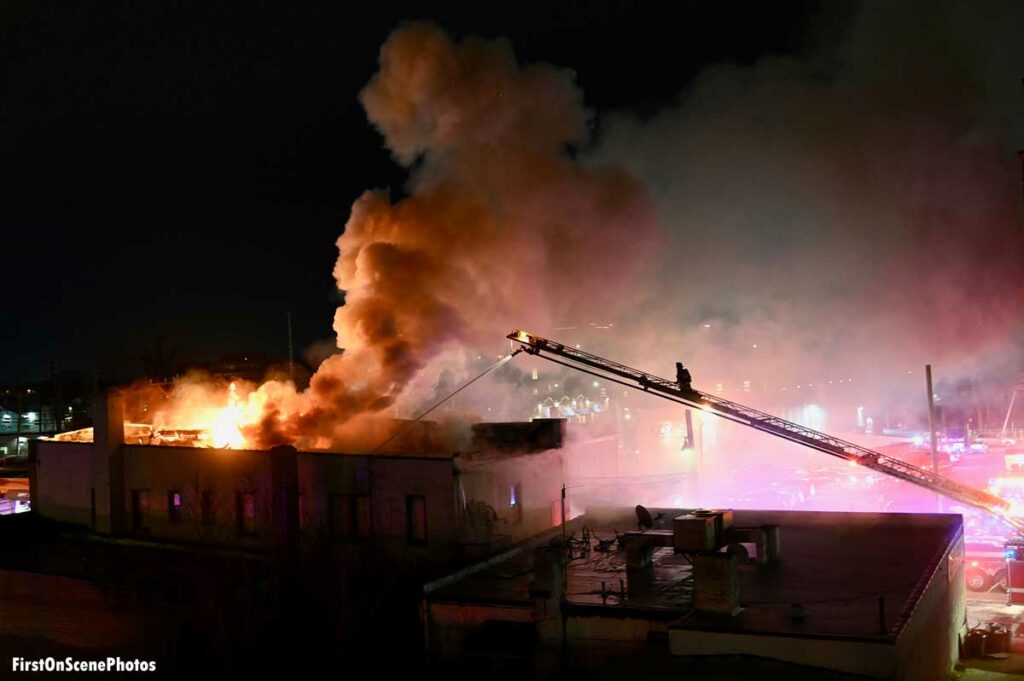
(501, 228)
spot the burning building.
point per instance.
(288, 502)
(303, 531)
(496, 202)
(415, 502)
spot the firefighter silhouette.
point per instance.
(683, 378)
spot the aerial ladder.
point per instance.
(575, 358)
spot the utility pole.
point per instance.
(1020, 157)
(17, 429)
(563, 527)
(563, 597)
(58, 415)
(1018, 386)
(931, 430)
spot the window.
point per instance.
(340, 518)
(556, 513)
(206, 506)
(173, 507)
(350, 516)
(515, 502)
(416, 519)
(140, 507)
(245, 512)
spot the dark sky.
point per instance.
(178, 172)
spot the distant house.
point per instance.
(8, 420)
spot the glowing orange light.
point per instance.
(225, 431)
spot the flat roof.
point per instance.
(835, 565)
(491, 441)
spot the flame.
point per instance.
(204, 413)
(226, 429)
(523, 336)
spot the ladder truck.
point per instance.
(606, 369)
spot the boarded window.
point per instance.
(416, 519)
(245, 512)
(173, 507)
(140, 508)
(206, 507)
(350, 516)
(341, 516)
(363, 522)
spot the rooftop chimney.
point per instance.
(108, 463)
(716, 584)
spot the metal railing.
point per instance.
(999, 433)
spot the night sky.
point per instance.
(177, 173)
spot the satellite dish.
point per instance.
(643, 518)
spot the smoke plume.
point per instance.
(851, 212)
(501, 227)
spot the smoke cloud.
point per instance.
(851, 212)
(501, 227)
(855, 211)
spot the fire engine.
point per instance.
(986, 564)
